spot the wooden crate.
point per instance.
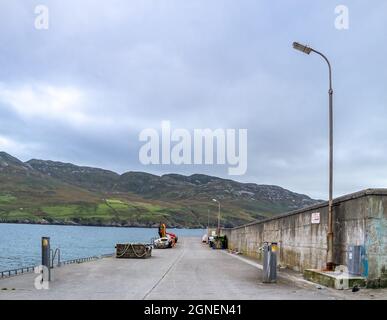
(133, 251)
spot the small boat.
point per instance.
(164, 242)
(172, 235)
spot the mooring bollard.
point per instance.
(46, 261)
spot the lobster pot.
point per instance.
(133, 251)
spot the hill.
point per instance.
(40, 191)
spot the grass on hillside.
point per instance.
(85, 208)
(7, 198)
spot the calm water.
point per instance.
(20, 243)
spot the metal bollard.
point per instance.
(46, 261)
(270, 262)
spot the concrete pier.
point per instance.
(359, 219)
(191, 270)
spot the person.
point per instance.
(163, 230)
(160, 228)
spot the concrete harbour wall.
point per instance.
(359, 219)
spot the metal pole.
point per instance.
(218, 218)
(208, 223)
(330, 259)
(330, 263)
(46, 255)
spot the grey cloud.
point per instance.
(205, 64)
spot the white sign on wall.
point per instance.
(315, 217)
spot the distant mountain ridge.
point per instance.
(58, 192)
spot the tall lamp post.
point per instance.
(218, 230)
(308, 50)
(208, 223)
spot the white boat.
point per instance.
(163, 243)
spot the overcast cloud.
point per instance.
(82, 90)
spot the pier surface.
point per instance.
(191, 270)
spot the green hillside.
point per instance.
(40, 191)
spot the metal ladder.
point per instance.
(55, 254)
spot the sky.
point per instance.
(82, 90)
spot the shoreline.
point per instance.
(75, 224)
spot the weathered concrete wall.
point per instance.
(376, 240)
(359, 219)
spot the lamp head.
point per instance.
(302, 48)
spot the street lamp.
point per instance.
(218, 230)
(208, 223)
(308, 50)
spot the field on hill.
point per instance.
(39, 191)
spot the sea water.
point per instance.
(20, 244)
